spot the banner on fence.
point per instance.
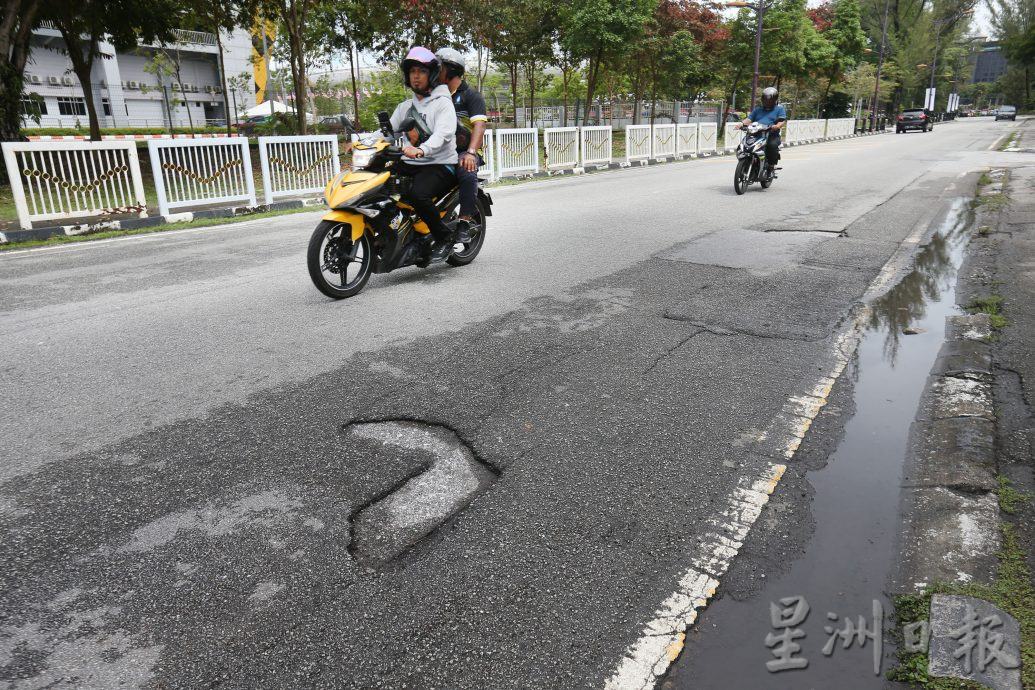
(561, 146)
(517, 151)
(637, 142)
(297, 165)
(69, 179)
(663, 141)
(686, 140)
(203, 171)
(596, 145)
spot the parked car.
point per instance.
(914, 118)
(247, 128)
(1006, 112)
(337, 124)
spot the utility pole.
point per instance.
(880, 63)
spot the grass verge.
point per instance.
(1012, 591)
(990, 305)
(108, 234)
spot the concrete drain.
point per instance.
(388, 526)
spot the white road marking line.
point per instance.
(662, 638)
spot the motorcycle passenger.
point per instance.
(471, 120)
(432, 163)
(769, 112)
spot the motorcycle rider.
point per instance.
(769, 112)
(432, 163)
(471, 119)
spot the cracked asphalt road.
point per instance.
(177, 483)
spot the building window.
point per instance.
(106, 107)
(68, 105)
(34, 106)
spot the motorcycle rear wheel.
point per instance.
(740, 177)
(339, 267)
(469, 251)
(766, 178)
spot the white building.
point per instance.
(125, 93)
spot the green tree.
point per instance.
(599, 31)
(124, 23)
(847, 40)
(20, 17)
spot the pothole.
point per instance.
(824, 231)
(392, 523)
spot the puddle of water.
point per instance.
(850, 555)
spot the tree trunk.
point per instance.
(513, 69)
(294, 14)
(355, 94)
(222, 81)
(186, 103)
(733, 91)
(591, 81)
(82, 65)
(15, 31)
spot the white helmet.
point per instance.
(453, 62)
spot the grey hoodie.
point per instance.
(439, 113)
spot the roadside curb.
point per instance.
(11, 236)
(950, 486)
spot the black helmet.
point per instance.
(421, 57)
(769, 97)
(453, 61)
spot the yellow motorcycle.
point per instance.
(369, 229)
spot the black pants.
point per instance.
(772, 148)
(429, 182)
(468, 189)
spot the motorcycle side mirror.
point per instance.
(385, 122)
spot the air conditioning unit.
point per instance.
(35, 79)
(193, 88)
(175, 86)
(66, 81)
(132, 85)
(209, 88)
(53, 81)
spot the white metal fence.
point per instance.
(840, 127)
(596, 145)
(561, 145)
(637, 142)
(52, 180)
(517, 150)
(686, 140)
(663, 141)
(488, 157)
(297, 165)
(732, 136)
(204, 171)
(707, 137)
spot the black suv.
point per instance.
(914, 118)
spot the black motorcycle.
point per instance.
(751, 165)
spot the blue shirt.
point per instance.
(768, 117)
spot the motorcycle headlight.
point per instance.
(361, 157)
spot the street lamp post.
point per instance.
(759, 9)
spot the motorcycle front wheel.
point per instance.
(740, 177)
(339, 266)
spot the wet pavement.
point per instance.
(843, 573)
